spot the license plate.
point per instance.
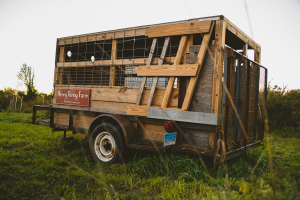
(170, 139)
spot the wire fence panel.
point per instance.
(247, 85)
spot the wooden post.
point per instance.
(16, 102)
(220, 32)
(178, 58)
(245, 50)
(60, 70)
(21, 104)
(112, 77)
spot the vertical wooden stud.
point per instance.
(112, 78)
(62, 54)
(220, 32)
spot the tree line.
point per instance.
(29, 97)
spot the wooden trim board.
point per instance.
(136, 61)
(179, 29)
(167, 70)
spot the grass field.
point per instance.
(35, 164)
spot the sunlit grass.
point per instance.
(34, 163)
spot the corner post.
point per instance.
(216, 100)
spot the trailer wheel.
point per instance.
(107, 143)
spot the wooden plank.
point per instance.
(153, 132)
(136, 110)
(211, 140)
(167, 70)
(103, 36)
(125, 95)
(160, 62)
(179, 29)
(257, 56)
(220, 31)
(201, 99)
(187, 48)
(145, 78)
(82, 121)
(195, 137)
(177, 60)
(62, 54)
(182, 81)
(112, 78)
(216, 102)
(128, 95)
(245, 50)
(136, 61)
(109, 107)
(61, 118)
(193, 80)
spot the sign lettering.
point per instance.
(78, 97)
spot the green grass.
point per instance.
(35, 164)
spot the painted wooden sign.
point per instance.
(78, 97)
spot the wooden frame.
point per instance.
(135, 102)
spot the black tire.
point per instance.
(107, 144)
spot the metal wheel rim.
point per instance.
(105, 146)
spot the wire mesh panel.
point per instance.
(246, 82)
(105, 61)
(232, 87)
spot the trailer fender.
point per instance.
(126, 126)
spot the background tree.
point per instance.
(26, 77)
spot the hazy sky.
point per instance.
(29, 28)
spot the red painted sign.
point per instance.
(78, 97)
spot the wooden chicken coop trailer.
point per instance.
(185, 86)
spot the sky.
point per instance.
(29, 29)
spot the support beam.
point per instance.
(117, 62)
(193, 81)
(220, 31)
(59, 75)
(182, 81)
(245, 50)
(160, 62)
(216, 103)
(178, 58)
(114, 50)
(167, 70)
(179, 29)
(139, 96)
